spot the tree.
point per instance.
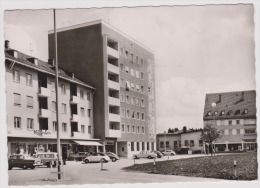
(209, 135)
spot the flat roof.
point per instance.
(99, 22)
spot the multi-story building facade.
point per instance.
(184, 138)
(122, 71)
(31, 106)
(234, 115)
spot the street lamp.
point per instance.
(213, 105)
(164, 141)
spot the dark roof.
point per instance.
(181, 132)
(42, 66)
(230, 105)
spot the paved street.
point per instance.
(81, 173)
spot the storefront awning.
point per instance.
(88, 143)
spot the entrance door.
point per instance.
(64, 149)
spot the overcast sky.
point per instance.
(198, 49)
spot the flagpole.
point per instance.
(57, 94)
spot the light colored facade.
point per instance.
(122, 71)
(31, 106)
(234, 115)
(174, 141)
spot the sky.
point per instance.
(198, 49)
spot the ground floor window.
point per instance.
(132, 146)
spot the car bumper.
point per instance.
(38, 164)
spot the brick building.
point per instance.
(234, 114)
(122, 71)
(31, 106)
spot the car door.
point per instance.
(12, 161)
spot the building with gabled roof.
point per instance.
(31, 107)
(234, 115)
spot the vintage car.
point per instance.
(169, 152)
(145, 154)
(80, 156)
(97, 157)
(159, 154)
(112, 156)
(48, 158)
(23, 161)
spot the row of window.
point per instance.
(189, 143)
(30, 125)
(131, 57)
(132, 129)
(132, 114)
(16, 78)
(237, 131)
(64, 109)
(229, 112)
(131, 71)
(132, 100)
(131, 86)
(17, 100)
(140, 146)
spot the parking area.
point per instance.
(81, 173)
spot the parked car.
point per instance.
(97, 157)
(145, 154)
(183, 150)
(169, 152)
(23, 161)
(80, 156)
(159, 154)
(112, 156)
(47, 158)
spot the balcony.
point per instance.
(112, 68)
(75, 118)
(44, 92)
(75, 134)
(112, 53)
(113, 85)
(114, 117)
(114, 133)
(44, 113)
(74, 99)
(113, 101)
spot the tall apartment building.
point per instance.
(31, 106)
(234, 115)
(122, 71)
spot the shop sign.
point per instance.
(109, 143)
(41, 132)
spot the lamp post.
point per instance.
(164, 141)
(213, 105)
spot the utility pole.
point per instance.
(57, 94)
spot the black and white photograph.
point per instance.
(127, 94)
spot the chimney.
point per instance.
(7, 44)
(72, 75)
(51, 62)
(184, 129)
(33, 60)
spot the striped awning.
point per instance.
(88, 143)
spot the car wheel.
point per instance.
(10, 168)
(114, 159)
(135, 157)
(24, 167)
(149, 157)
(33, 167)
(48, 165)
(172, 154)
(86, 161)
